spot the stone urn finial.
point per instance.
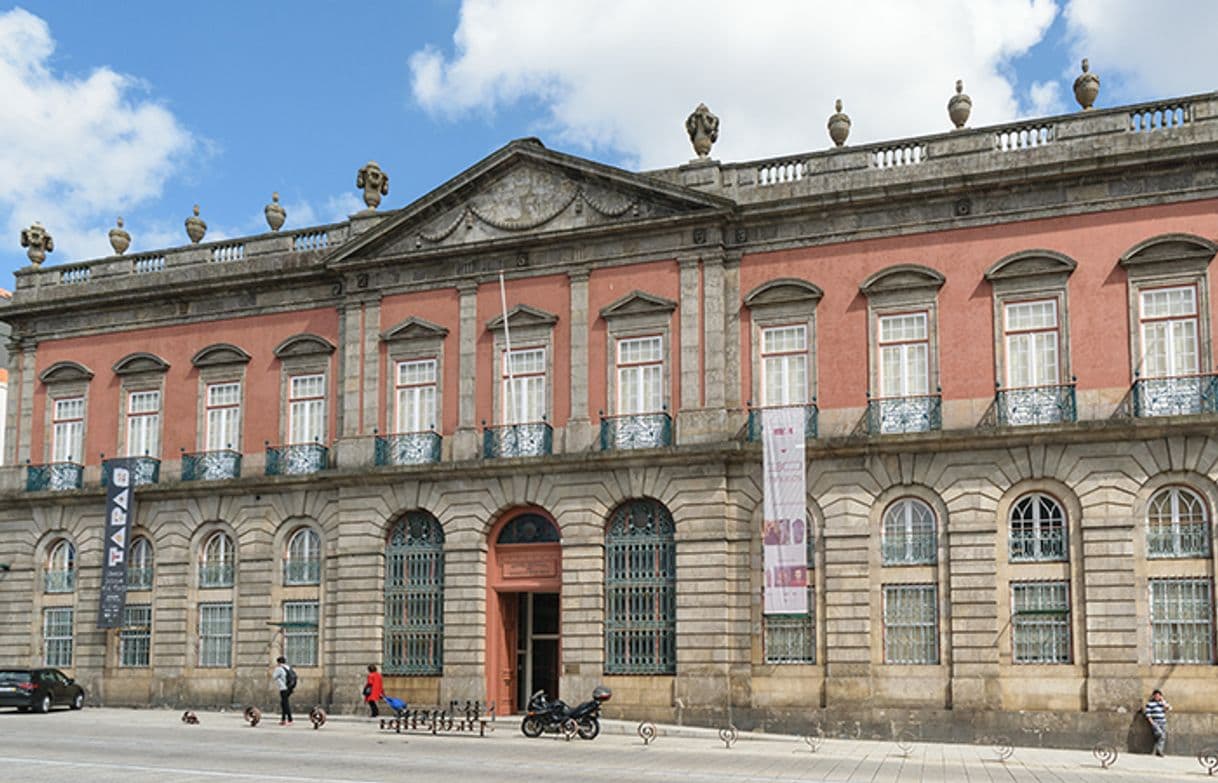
(960, 106)
(1086, 87)
(39, 242)
(703, 130)
(195, 227)
(120, 240)
(275, 214)
(839, 124)
(375, 183)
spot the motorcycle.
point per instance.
(555, 717)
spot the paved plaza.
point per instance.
(141, 746)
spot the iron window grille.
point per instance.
(216, 566)
(140, 565)
(414, 597)
(135, 637)
(909, 535)
(1038, 529)
(791, 638)
(911, 624)
(300, 622)
(60, 576)
(1182, 621)
(57, 636)
(216, 635)
(1040, 622)
(302, 566)
(640, 590)
(1177, 525)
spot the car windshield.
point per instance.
(13, 678)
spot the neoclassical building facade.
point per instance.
(357, 445)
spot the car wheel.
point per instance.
(78, 701)
(589, 727)
(43, 704)
(531, 726)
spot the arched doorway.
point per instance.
(524, 582)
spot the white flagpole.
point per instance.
(507, 360)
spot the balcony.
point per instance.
(408, 448)
(1190, 539)
(144, 470)
(59, 581)
(890, 415)
(1178, 395)
(811, 421)
(54, 477)
(1036, 405)
(139, 578)
(534, 439)
(297, 459)
(211, 465)
(636, 431)
(302, 572)
(216, 575)
(1029, 544)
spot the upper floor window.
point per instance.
(61, 568)
(68, 430)
(1032, 339)
(1038, 529)
(415, 395)
(303, 563)
(909, 533)
(1168, 320)
(307, 408)
(1177, 524)
(139, 565)
(904, 347)
(216, 563)
(144, 423)
(640, 375)
(524, 385)
(784, 365)
(223, 416)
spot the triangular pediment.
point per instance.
(638, 303)
(521, 190)
(522, 317)
(414, 329)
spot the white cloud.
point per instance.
(624, 75)
(1045, 98)
(1144, 50)
(75, 151)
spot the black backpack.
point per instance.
(291, 680)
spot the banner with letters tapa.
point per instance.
(120, 508)
(785, 530)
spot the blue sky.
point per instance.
(146, 108)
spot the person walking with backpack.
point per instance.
(374, 689)
(284, 677)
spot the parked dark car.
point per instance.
(39, 690)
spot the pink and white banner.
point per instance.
(785, 528)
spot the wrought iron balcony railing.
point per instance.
(910, 550)
(408, 448)
(216, 575)
(139, 578)
(811, 421)
(1178, 395)
(302, 572)
(1037, 545)
(887, 415)
(636, 431)
(144, 470)
(1181, 540)
(54, 476)
(296, 459)
(211, 465)
(534, 439)
(59, 581)
(1036, 405)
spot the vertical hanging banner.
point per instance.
(785, 525)
(120, 507)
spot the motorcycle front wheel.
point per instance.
(531, 726)
(589, 727)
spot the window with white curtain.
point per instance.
(68, 430)
(1032, 340)
(640, 375)
(524, 387)
(216, 635)
(911, 624)
(1169, 325)
(144, 424)
(904, 347)
(415, 394)
(57, 636)
(223, 416)
(784, 365)
(307, 409)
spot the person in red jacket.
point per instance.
(374, 689)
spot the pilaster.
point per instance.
(372, 366)
(350, 341)
(28, 349)
(579, 427)
(691, 369)
(465, 439)
(713, 319)
(731, 331)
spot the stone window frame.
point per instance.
(637, 314)
(140, 534)
(935, 533)
(903, 289)
(1070, 632)
(197, 596)
(1031, 276)
(530, 328)
(816, 575)
(70, 637)
(217, 364)
(140, 372)
(64, 381)
(936, 601)
(413, 339)
(786, 301)
(282, 592)
(304, 354)
(72, 568)
(123, 635)
(1175, 260)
